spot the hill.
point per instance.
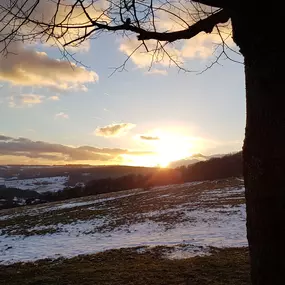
(76, 173)
(215, 168)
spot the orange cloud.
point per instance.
(28, 67)
(23, 150)
(18, 101)
(114, 130)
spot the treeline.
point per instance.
(215, 168)
(99, 186)
(76, 173)
(13, 197)
(158, 178)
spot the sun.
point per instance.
(169, 147)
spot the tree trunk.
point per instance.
(258, 34)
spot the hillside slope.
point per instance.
(196, 215)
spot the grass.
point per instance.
(128, 210)
(129, 267)
(24, 224)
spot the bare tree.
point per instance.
(255, 26)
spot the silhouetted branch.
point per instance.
(122, 66)
(204, 25)
(71, 23)
(215, 3)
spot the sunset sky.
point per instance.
(55, 112)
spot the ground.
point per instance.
(129, 267)
(163, 235)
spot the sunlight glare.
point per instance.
(169, 147)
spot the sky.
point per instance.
(54, 111)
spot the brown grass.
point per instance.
(129, 267)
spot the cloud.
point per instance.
(5, 138)
(28, 100)
(114, 130)
(26, 150)
(61, 115)
(203, 46)
(114, 151)
(149, 138)
(46, 12)
(153, 57)
(22, 100)
(31, 98)
(181, 14)
(53, 98)
(156, 71)
(39, 149)
(177, 16)
(28, 67)
(25, 66)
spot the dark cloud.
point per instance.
(56, 152)
(26, 148)
(5, 138)
(20, 139)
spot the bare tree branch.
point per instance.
(204, 25)
(70, 23)
(215, 3)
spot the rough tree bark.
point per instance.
(257, 32)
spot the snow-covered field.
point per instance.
(40, 185)
(192, 216)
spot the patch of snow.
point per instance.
(40, 228)
(85, 203)
(186, 251)
(158, 213)
(178, 186)
(5, 217)
(141, 249)
(40, 185)
(216, 227)
(201, 227)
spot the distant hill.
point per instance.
(76, 173)
(118, 178)
(192, 160)
(102, 172)
(214, 168)
(210, 169)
